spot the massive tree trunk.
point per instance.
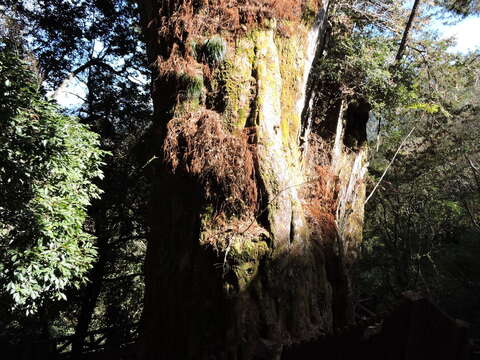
(257, 205)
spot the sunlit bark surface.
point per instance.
(257, 208)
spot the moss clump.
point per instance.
(248, 249)
(212, 51)
(191, 89)
(192, 86)
(245, 256)
(310, 11)
(309, 16)
(207, 215)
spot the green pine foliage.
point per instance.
(48, 162)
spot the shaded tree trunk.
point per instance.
(257, 203)
(89, 301)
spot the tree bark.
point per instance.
(240, 277)
(89, 301)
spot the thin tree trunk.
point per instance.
(403, 42)
(89, 301)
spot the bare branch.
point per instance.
(403, 43)
(390, 164)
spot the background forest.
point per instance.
(74, 183)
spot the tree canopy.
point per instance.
(48, 164)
